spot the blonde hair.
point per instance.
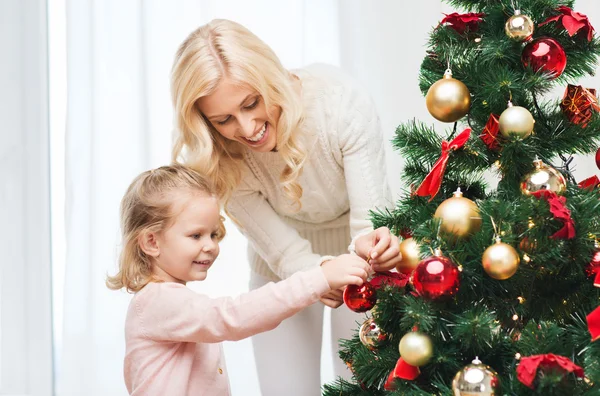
(148, 206)
(221, 49)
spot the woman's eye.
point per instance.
(252, 105)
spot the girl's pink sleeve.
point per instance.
(173, 312)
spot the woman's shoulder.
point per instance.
(327, 78)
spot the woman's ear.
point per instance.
(149, 243)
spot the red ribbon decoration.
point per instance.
(590, 183)
(433, 181)
(559, 210)
(593, 321)
(529, 366)
(402, 370)
(573, 22)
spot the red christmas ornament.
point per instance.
(463, 22)
(435, 277)
(593, 268)
(579, 104)
(573, 22)
(545, 54)
(490, 132)
(360, 298)
(598, 158)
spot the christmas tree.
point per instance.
(496, 292)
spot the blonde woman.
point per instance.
(298, 157)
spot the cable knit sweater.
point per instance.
(343, 178)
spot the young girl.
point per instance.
(171, 228)
(298, 158)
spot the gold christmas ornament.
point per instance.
(448, 99)
(460, 216)
(543, 177)
(519, 27)
(416, 348)
(371, 335)
(410, 256)
(475, 379)
(516, 120)
(500, 261)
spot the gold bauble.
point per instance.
(448, 99)
(460, 216)
(476, 379)
(416, 348)
(500, 261)
(543, 177)
(516, 120)
(371, 335)
(411, 256)
(519, 27)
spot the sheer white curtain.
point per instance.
(119, 124)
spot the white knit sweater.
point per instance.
(343, 178)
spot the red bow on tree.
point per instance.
(433, 181)
(402, 370)
(593, 321)
(529, 366)
(559, 210)
(573, 22)
(590, 183)
(462, 22)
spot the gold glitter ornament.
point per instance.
(448, 99)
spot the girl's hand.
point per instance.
(333, 298)
(345, 270)
(381, 247)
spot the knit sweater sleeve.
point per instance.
(173, 312)
(359, 140)
(278, 243)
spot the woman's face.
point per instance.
(238, 113)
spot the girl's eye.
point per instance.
(214, 235)
(196, 236)
(225, 121)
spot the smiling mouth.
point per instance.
(259, 137)
(203, 262)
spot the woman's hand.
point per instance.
(380, 247)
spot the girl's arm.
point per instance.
(173, 312)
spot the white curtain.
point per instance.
(119, 124)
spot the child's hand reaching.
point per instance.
(344, 270)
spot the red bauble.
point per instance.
(545, 54)
(598, 158)
(435, 277)
(360, 298)
(593, 267)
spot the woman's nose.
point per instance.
(247, 127)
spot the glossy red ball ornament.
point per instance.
(545, 54)
(598, 158)
(360, 298)
(436, 277)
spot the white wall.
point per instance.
(25, 316)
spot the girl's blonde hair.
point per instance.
(148, 206)
(212, 52)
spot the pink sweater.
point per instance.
(173, 334)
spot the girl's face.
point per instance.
(239, 113)
(190, 245)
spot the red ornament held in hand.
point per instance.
(360, 298)
(545, 54)
(436, 276)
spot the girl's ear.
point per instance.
(149, 243)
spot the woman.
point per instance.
(298, 158)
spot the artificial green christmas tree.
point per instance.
(496, 293)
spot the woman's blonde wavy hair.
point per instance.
(221, 49)
(148, 206)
